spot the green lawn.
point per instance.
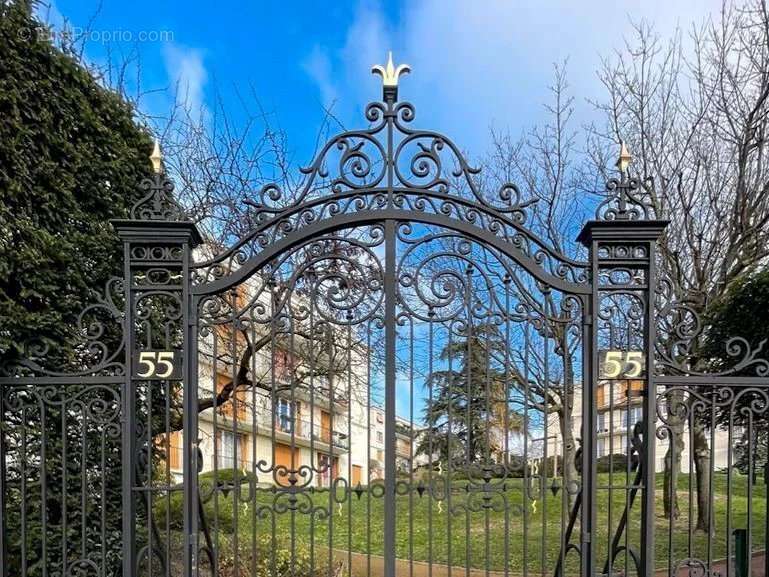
(431, 530)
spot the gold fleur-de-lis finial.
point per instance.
(624, 160)
(389, 72)
(157, 158)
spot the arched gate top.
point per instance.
(393, 170)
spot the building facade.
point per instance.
(619, 406)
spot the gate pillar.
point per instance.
(158, 240)
(622, 247)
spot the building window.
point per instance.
(601, 447)
(287, 412)
(328, 469)
(284, 366)
(633, 389)
(379, 436)
(602, 427)
(601, 396)
(171, 446)
(232, 450)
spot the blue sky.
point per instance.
(475, 64)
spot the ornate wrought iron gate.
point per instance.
(391, 375)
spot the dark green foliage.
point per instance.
(616, 463)
(468, 408)
(169, 508)
(750, 453)
(743, 311)
(71, 157)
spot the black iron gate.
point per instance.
(391, 375)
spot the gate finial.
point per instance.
(157, 158)
(624, 159)
(390, 74)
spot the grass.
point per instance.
(476, 536)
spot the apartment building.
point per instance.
(619, 406)
(405, 443)
(296, 428)
(301, 411)
(291, 426)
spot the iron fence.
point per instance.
(392, 374)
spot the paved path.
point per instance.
(719, 567)
(360, 567)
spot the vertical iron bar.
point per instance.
(430, 464)
(390, 334)
(649, 413)
(234, 407)
(128, 452)
(3, 516)
(542, 481)
(44, 489)
(751, 469)
(766, 513)
(469, 394)
(190, 435)
(526, 497)
(588, 422)
(411, 446)
(368, 450)
(167, 470)
(253, 489)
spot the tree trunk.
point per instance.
(571, 480)
(701, 454)
(569, 465)
(673, 454)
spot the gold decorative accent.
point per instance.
(157, 158)
(390, 72)
(624, 159)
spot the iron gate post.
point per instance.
(158, 239)
(621, 245)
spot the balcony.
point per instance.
(618, 394)
(303, 429)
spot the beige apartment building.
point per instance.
(331, 428)
(619, 407)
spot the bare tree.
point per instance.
(693, 110)
(543, 163)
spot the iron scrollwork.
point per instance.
(681, 331)
(99, 344)
(158, 202)
(390, 166)
(626, 199)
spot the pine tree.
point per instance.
(468, 414)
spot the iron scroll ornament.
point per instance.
(626, 199)
(680, 332)
(99, 347)
(390, 167)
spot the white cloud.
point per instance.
(488, 61)
(318, 66)
(188, 75)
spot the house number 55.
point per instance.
(622, 364)
(157, 365)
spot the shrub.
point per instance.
(615, 463)
(270, 557)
